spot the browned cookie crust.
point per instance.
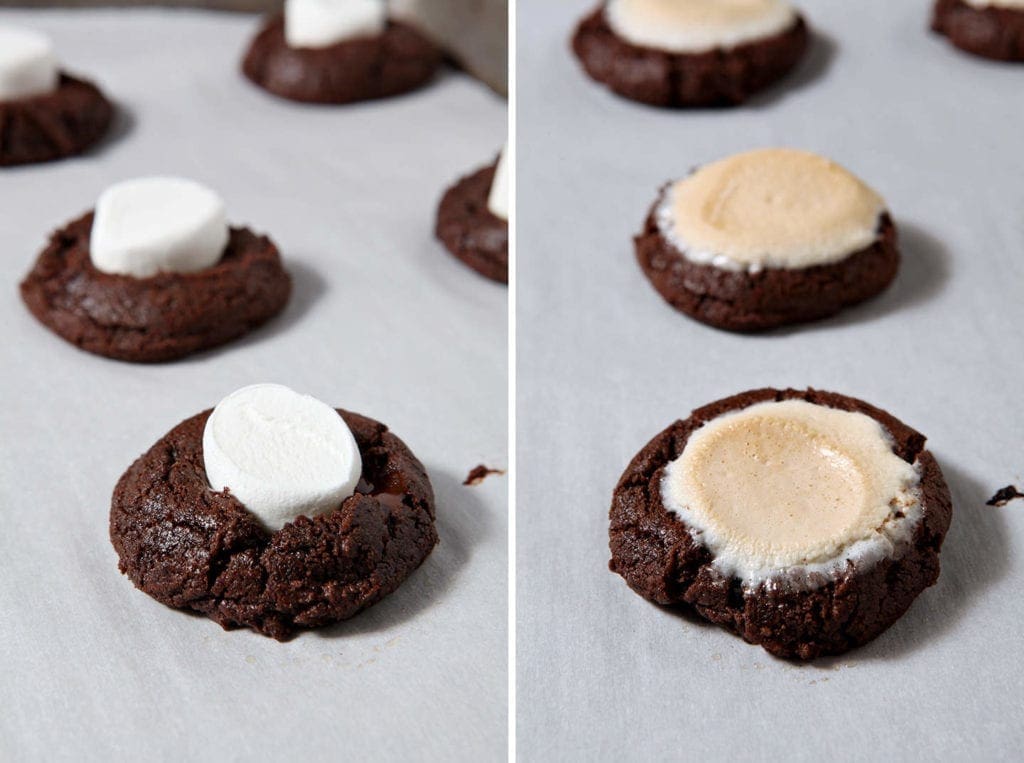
(659, 558)
(191, 547)
(470, 231)
(990, 32)
(163, 317)
(721, 77)
(54, 125)
(737, 300)
(397, 61)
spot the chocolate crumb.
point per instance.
(1004, 496)
(479, 473)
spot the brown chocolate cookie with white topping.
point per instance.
(803, 521)
(989, 28)
(768, 238)
(348, 52)
(472, 220)
(318, 521)
(45, 114)
(155, 274)
(690, 53)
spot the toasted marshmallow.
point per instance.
(784, 487)
(322, 23)
(497, 200)
(770, 208)
(697, 26)
(150, 225)
(282, 454)
(28, 65)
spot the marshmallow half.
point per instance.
(322, 23)
(791, 485)
(28, 65)
(497, 200)
(150, 225)
(282, 454)
(770, 208)
(697, 26)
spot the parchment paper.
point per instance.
(383, 321)
(604, 365)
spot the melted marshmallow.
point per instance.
(783, 487)
(770, 208)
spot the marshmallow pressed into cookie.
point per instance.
(158, 225)
(322, 23)
(28, 64)
(770, 208)
(988, 28)
(497, 199)
(282, 454)
(784, 487)
(697, 26)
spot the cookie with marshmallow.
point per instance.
(45, 113)
(275, 512)
(155, 273)
(334, 52)
(768, 238)
(472, 219)
(988, 28)
(690, 53)
(804, 521)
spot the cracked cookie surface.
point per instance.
(160, 318)
(191, 547)
(660, 558)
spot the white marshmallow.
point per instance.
(28, 65)
(321, 23)
(282, 454)
(158, 224)
(497, 200)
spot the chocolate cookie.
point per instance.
(162, 317)
(767, 238)
(191, 547)
(804, 610)
(397, 61)
(470, 231)
(988, 30)
(718, 77)
(42, 128)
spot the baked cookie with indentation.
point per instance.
(690, 53)
(989, 28)
(273, 512)
(803, 521)
(768, 238)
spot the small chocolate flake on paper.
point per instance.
(479, 473)
(1004, 496)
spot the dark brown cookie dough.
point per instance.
(394, 62)
(54, 125)
(160, 318)
(738, 300)
(662, 561)
(191, 547)
(721, 77)
(996, 33)
(468, 228)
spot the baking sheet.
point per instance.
(604, 365)
(382, 321)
